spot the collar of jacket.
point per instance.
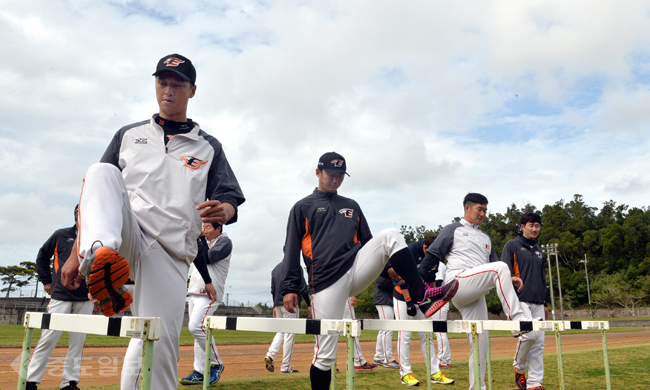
(465, 222)
(322, 194)
(192, 134)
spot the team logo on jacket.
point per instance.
(347, 212)
(486, 246)
(193, 162)
(142, 141)
(539, 254)
(337, 163)
(173, 61)
(321, 210)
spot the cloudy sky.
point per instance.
(524, 101)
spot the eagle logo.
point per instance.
(173, 61)
(347, 212)
(193, 162)
(337, 163)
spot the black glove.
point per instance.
(411, 309)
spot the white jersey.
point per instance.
(464, 246)
(218, 267)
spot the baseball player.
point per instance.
(383, 298)
(342, 259)
(281, 339)
(472, 261)
(526, 261)
(141, 210)
(360, 363)
(444, 353)
(405, 310)
(63, 300)
(202, 301)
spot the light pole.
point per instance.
(586, 276)
(550, 277)
(553, 251)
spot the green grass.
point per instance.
(583, 369)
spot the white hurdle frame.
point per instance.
(347, 328)
(353, 328)
(144, 328)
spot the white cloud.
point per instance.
(525, 102)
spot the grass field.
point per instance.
(584, 369)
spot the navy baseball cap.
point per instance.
(332, 163)
(178, 64)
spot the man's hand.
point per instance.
(212, 293)
(353, 301)
(290, 301)
(518, 283)
(274, 315)
(48, 288)
(393, 275)
(215, 211)
(310, 313)
(70, 276)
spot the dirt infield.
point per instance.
(102, 366)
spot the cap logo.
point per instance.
(173, 61)
(337, 163)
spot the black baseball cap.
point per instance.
(332, 163)
(178, 64)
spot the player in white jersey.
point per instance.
(202, 304)
(526, 260)
(141, 210)
(472, 261)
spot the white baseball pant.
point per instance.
(200, 307)
(530, 348)
(284, 340)
(404, 341)
(444, 354)
(384, 349)
(48, 341)
(330, 303)
(349, 314)
(473, 285)
(160, 278)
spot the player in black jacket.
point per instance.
(66, 301)
(526, 261)
(342, 258)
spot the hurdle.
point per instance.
(545, 326)
(144, 328)
(353, 328)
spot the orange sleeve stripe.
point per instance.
(306, 241)
(515, 266)
(56, 258)
(357, 232)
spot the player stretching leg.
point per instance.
(526, 260)
(143, 204)
(342, 258)
(472, 261)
